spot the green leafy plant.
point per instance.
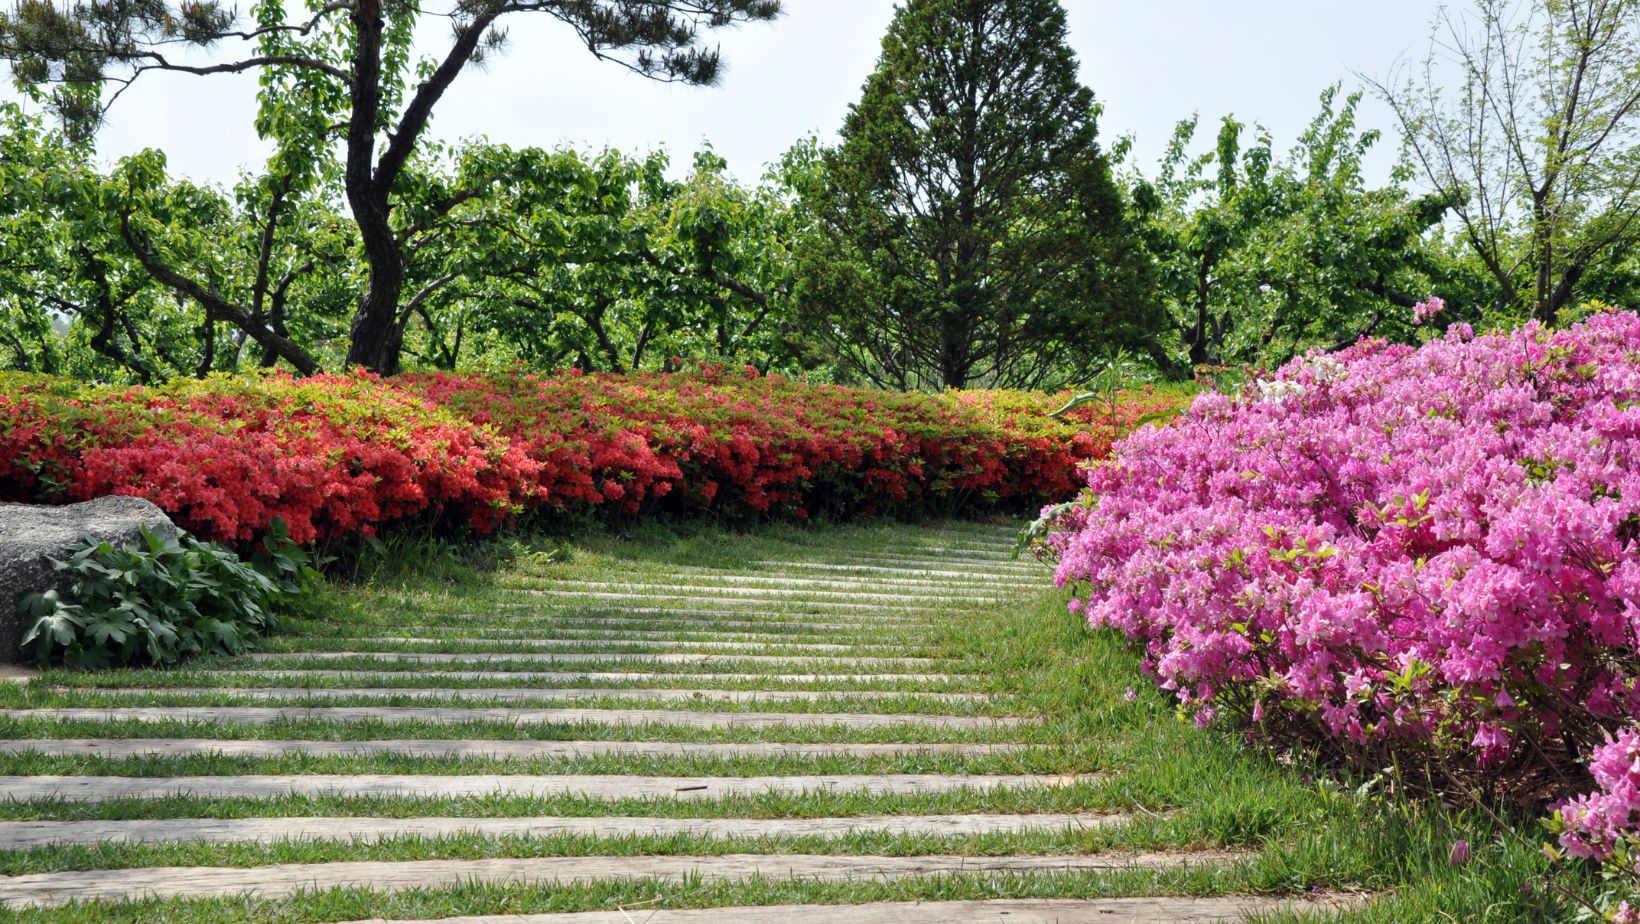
(161, 599)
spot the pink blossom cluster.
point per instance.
(1390, 551)
(1592, 824)
(1427, 309)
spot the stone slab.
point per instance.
(103, 788)
(527, 676)
(796, 606)
(623, 606)
(120, 748)
(866, 587)
(267, 715)
(572, 627)
(287, 879)
(801, 575)
(548, 657)
(771, 595)
(1154, 910)
(551, 694)
(1001, 563)
(605, 644)
(913, 575)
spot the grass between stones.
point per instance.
(991, 637)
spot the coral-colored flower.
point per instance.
(341, 454)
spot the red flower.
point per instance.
(340, 454)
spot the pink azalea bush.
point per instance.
(1421, 555)
(1604, 825)
(1593, 825)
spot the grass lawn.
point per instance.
(850, 624)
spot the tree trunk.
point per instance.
(1198, 336)
(377, 335)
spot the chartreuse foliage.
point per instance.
(521, 255)
(345, 102)
(164, 598)
(1261, 255)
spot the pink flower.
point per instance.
(1458, 855)
(1425, 310)
(1130, 696)
(1406, 538)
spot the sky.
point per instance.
(1151, 63)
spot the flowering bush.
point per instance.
(330, 455)
(1594, 825)
(1605, 826)
(738, 440)
(335, 455)
(1425, 556)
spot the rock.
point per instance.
(30, 536)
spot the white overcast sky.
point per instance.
(1151, 62)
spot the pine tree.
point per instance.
(968, 229)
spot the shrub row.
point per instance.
(335, 455)
(1417, 557)
(225, 457)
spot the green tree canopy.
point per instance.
(336, 73)
(1526, 116)
(548, 258)
(967, 230)
(84, 248)
(1260, 256)
(605, 263)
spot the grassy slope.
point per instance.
(1187, 789)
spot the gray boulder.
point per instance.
(30, 536)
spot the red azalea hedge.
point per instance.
(330, 454)
(339, 454)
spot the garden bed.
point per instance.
(338, 455)
(1419, 558)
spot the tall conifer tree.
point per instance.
(968, 228)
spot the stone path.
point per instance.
(593, 711)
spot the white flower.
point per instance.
(1275, 391)
(1324, 368)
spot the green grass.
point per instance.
(1183, 789)
(568, 731)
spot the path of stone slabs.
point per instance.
(809, 729)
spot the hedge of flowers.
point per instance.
(331, 455)
(1423, 557)
(738, 440)
(335, 455)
